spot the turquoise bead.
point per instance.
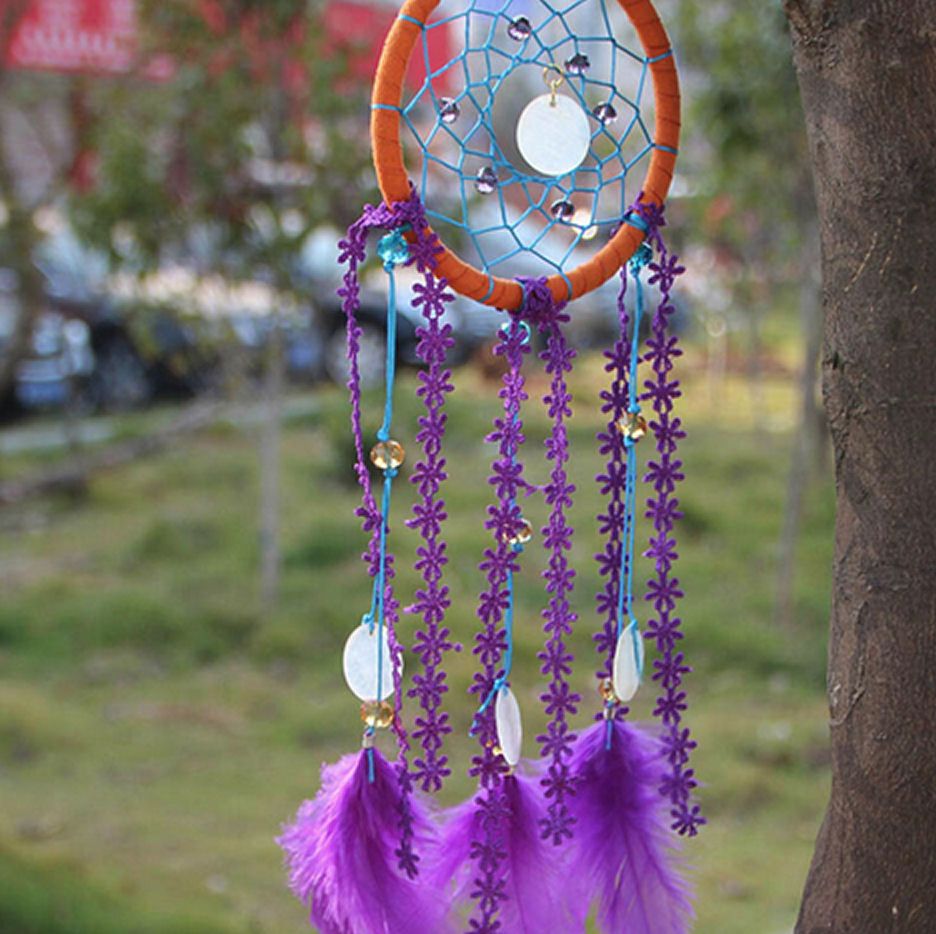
(393, 249)
(641, 257)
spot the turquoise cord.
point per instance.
(626, 578)
(376, 615)
(383, 434)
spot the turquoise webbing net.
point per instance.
(461, 121)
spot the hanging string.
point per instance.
(629, 433)
(626, 582)
(663, 590)
(613, 488)
(384, 609)
(518, 544)
(432, 640)
(499, 564)
(618, 483)
(383, 433)
(560, 701)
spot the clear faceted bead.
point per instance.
(509, 725)
(605, 114)
(378, 715)
(562, 210)
(520, 29)
(632, 426)
(486, 180)
(448, 110)
(525, 330)
(578, 64)
(522, 532)
(387, 454)
(393, 249)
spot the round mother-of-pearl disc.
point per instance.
(365, 652)
(553, 134)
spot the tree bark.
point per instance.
(270, 466)
(867, 72)
(22, 239)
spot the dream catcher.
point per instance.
(517, 191)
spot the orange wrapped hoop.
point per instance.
(395, 185)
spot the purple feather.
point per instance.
(532, 868)
(622, 851)
(340, 851)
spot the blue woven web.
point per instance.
(514, 230)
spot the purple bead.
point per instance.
(578, 64)
(448, 110)
(605, 114)
(562, 210)
(520, 29)
(486, 180)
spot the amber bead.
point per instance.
(632, 426)
(387, 454)
(606, 691)
(521, 534)
(377, 714)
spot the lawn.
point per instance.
(156, 728)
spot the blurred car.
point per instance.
(117, 348)
(472, 325)
(58, 360)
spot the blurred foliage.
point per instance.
(749, 159)
(239, 135)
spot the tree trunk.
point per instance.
(22, 239)
(867, 71)
(270, 444)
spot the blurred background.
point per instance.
(179, 559)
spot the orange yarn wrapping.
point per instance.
(395, 185)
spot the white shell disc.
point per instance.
(553, 136)
(509, 725)
(628, 663)
(360, 662)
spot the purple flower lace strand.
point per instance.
(560, 701)
(352, 252)
(487, 849)
(612, 484)
(432, 641)
(663, 591)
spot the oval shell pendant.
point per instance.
(628, 663)
(363, 667)
(553, 135)
(509, 725)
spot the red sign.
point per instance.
(75, 35)
(100, 36)
(357, 30)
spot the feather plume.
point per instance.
(340, 852)
(533, 902)
(621, 854)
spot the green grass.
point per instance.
(156, 728)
